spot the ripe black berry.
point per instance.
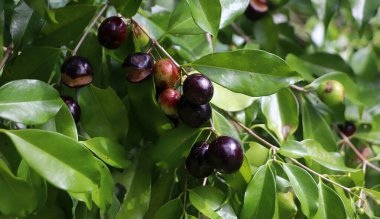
(112, 32)
(139, 66)
(348, 128)
(198, 89)
(196, 163)
(193, 115)
(225, 154)
(73, 107)
(76, 72)
(256, 9)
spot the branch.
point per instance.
(298, 88)
(93, 22)
(240, 31)
(6, 56)
(352, 146)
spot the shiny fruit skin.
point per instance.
(256, 9)
(139, 66)
(331, 92)
(196, 162)
(73, 107)
(112, 32)
(193, 115)
(225, 154)
(165, 73)
(198, 89)
(168, 102)
(76, 72)
(348, 128)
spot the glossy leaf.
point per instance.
(17, 196)
(152, 28)
(103, 196)
(304, 187)
(111, 115)
(281, 111)
(231, 10)
(206, 14)
(230, 101)
(313, 150)
(316, 127)
(208, 201)
(29, 102)
(181, 21)
(223, 126)
(138, 185)
(109, 151)
(171, 210)
(373, 137)
(260, 196)
(247, 75)
(43, 152)
(363, 62)
(328, 198)
(287, 208)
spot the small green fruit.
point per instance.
(139, 35)
(331, 92)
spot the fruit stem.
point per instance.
(240, 31)
(298, 88)
(352, 146)
(93, 22)
(6, 56)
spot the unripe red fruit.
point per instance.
(165, 73)
(198, 89)
(73, 107)
(139, 66)
(225, 154)
(168, 102)
(76, 72)
(196, 163)
(347, 128)
(257, 9)
(193, 115)
(112, 32)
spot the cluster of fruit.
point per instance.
(223, 154)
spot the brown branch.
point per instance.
(241, 32)
(6, 56)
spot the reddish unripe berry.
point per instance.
(168, 102)
(165, 73)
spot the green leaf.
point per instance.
(247, 76)
(57, 158)
(260, 196)
(364, 63)
(311, 149)
(127, 8)
(72, 20)
(28, 65)
(230, 101)
(206, 14)
(304, 187)
(103, 196)
(171, 210)
(208, 200)
(325, 9)
(327, 199)
(223, 126)
(231, 10)
(174, 145)
(142, 97)
(281, 112)
(287, 209)
(181, 21)
(372, 137)
(138, 185)
(63, 123)
(109, 151)
(111, 115)
(17, 196)
(316, 127)
(265, 32)
(29, 101)
(152, 28)
(363, 10)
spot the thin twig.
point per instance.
(352, 146)
(298, 88)
(241, 32)
(93, 22)
(6, 56)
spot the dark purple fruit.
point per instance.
(73, 107)
(256, 9)
(112, 32)
(193, 115)
(139, 66)
(198, 89)
(76, 72)
(225, 154)
(348, 128)
(196, 163)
